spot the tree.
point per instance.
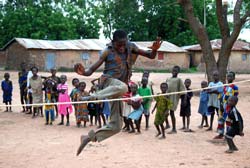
(146, 19)
(240, 16)
(47, 19)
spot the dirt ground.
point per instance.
(28, 143)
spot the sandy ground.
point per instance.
(28, 143)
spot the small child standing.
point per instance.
(7, 89)
(203, 104)
(175, 84)
(64, 109)
(236, 127)
(136, 114)
(49, 109)
(73, 93)
(146, 103)
(163, 104)
(92, 108)
(82, 112)
(185, 111)
(214, 96)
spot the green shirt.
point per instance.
(145, 92)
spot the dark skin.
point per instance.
(215, 91)
(6, 78)
(204, 117)
(23, 97)
(175, 72)
(49, 86)
(119, 47)
(145, 101)
(216, 80)
(135, 105)
(63, 79)
(187, 84)
(82, 87)
(160, 128)
(36, 109)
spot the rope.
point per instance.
(122, 99)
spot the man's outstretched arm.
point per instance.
(151, 54)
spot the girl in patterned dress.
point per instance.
(82, 112)
(7, 89)
(163, 104)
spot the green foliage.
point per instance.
(47, 19)
(146, 19)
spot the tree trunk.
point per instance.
(228, 39)
(201, 34)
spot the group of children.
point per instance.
(213, 97)
(53, 90)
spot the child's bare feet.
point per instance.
(206, 125)
(157, 134)
(132, 131)
(200, 126)
(229, 151)
(172, 132)
(183, 128)
(209, 129)
(162, 137)
(167, 126)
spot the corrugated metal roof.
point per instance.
(84, 44)
(216, 45)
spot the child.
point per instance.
(36, 84)
(150, 83)
(22, 80)
(49, 109)
(203, 104)
(230, 90)
(136, 114)
(75, 83)
(163, 104)
(56, 80)
(64, 109)
(214, 96)
(175, 84)
(236, 127)
(126, 107)
(82, 112)
(185, 111)
(29, 92)
(92, 108)
(100, 114)
(146, 103)
(7, 89)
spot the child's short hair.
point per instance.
(74, 80)
(34, 67)
(177, 67)
(6, 74)
(231, 72)
(164, 83)
(187, 80)
(82, 83)
(119, 34)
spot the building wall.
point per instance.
(239, 64)
(64, 59)
(236, 62)
(3, 60)
(16, 54)
(169, 60)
